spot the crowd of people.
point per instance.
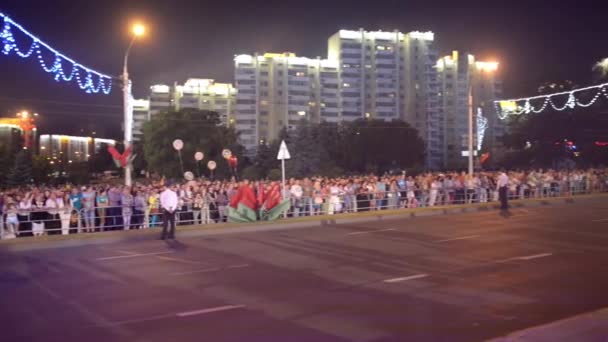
(38, 210)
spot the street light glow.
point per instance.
(602, 66)
(139, 30)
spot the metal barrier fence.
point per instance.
(66, 221)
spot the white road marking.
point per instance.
(528, 257)
(371, 231)
(210, 310)
(191, 262)
(535, 256)
(458, 238)
(601, 220)
(206, 270)
(131, 256)
(214, 269)
(396, 280)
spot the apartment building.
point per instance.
(195, 93)
(141, 114)
(277, 90)
(461, 76)
(390, 75)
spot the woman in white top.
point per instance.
(53, 223)
(335, 206)
(39, 216)
(23, 214)
(433, 193)
(65, 213)
(12, 222)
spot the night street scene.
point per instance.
(303, 171)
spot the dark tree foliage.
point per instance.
(200, 130)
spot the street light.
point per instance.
(602, 66)
(138, 30)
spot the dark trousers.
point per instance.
(502, 196)
(168, 221)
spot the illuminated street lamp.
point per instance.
(602, 67)
(138, 30)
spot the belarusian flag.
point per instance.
(272, 206)
(243, 206)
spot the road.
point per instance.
(466, 277)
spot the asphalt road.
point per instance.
(466, 277)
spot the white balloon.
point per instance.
(188, 175)
(226, 153)
(178, 144)
(198, 156)
(211, 165)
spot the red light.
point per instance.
(601, 143)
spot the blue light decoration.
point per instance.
(89, 80)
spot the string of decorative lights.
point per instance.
(504, 108)
(84, 76)
(482, 125)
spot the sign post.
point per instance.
(283, 154)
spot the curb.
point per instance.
(55, 241)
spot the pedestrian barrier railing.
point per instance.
(55, 221)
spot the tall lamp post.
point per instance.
(138, 31)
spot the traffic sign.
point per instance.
(283, 152)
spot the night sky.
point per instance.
(546, 41)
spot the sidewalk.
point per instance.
(589, 327)
(53, 241)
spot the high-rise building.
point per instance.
(383, 75)
(141, 114)
(461, 76)
(390, 75)
(196, 93)
(277, 90)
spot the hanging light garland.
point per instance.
(504, 108)
(482, 125)
(89, 80)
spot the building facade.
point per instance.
(141, 114)
(71, 149)
(277, 90)
(195, 93)
(461, 76)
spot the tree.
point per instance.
(332, 149)
(200, 130)
(41, 169)
(21, 172)
(101, 160)
(380, 146)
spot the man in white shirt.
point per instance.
(502, 185)
(168, 202)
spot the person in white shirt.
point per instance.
(296, 197)
(168, 203)
(502, 185)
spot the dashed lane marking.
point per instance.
(210, 269)
(371, 231)
(131, 256)
(210, 310)
(412, 277)
(458, 238)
